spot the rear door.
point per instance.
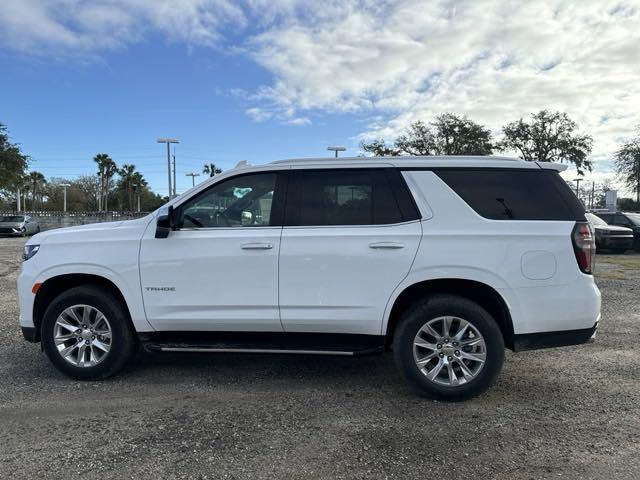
(350, 237)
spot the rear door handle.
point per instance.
(257, 246)
(387, 245)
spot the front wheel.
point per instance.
(448, 348)
(86, 333)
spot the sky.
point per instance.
(261, 80)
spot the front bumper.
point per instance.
(563, 338)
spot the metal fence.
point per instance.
(49, 220)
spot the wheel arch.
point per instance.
(481, 293)
(54, 286)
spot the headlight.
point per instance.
(30, 251)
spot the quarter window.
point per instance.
(340, 197)
(242, 201)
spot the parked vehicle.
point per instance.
(18, 225)
(625, 219)
(610, 237)
(443, 260)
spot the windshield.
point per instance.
(595, 220)
(12, 218)
(634, 217)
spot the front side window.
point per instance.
(341, 197)
(242, 201)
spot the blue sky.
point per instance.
(259, 80)
(63, 113)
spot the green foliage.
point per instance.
(211, 169)
(627, 163)
(13, 163)
(628, 205)
(548, 137)
(449, 134)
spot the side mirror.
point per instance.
(246, 218)
(165, 224)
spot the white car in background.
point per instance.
(443, 260)
(18, 225)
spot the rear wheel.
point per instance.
(86, 333)
(448, 348)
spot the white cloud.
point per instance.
(389, 61)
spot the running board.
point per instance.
(263, 343)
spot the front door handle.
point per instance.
(257, 246)
(387, 245)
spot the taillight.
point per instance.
(584, 245)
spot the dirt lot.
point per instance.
(563, 413)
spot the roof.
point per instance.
(460, 161)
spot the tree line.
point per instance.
(113, 187)
(545, 137)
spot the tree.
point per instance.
(36, 184)
(131, 183)
(548, 137)
(107, 168)
(627, 164)
(211, 169)
(448, 134)
(13, 163)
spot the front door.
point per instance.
(218, 270)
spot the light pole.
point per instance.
(135, 190)
(578, 180)
(336, 150)
(193, 178)
(169, 141)
(64, 186)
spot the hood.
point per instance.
(91, 231)
(612, 228)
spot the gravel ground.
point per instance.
(571, 412)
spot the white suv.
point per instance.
(443, 260)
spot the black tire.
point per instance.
(123, 341)
(424, 310)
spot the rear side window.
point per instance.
(515, 194)
(341, 197)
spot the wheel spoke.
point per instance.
(71, 312)
(102, 346)
(64, 338)
(453, 378)
(429, 330)
(446, 326)
(433, 373)
(424, 360)
(473, 356)
(64, 324)
(86, 313)
(465, 370)
(471, 342)
(67, 351)
(423, 344)
(461, 330)
(81, 350)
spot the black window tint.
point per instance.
(515, 194)
(341, 197)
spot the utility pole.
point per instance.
(336, 150)
(193, 178)
(577, 180)
(64, 186)
(137, 192)
(174, 172)
(169, 141)
(18, 200)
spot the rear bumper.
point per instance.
(616, 242)
(535, 341)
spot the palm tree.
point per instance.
(106, 170)
(211, 169)
(36, 181)
(127, 173)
